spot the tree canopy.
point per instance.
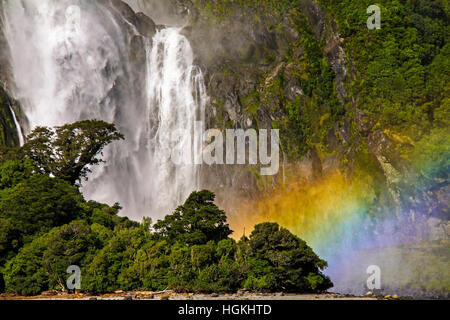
(280, 261)
(46, 226)
(198, 221)
(68, 152)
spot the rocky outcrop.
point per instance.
(165, 12)
(8, 131)
(327, 31)
(255, 66)
(254, 71)
(143, 24)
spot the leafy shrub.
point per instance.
(280, 261)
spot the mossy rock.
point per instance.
(8, 130)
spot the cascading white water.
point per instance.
(58, 69)
(176, 98)
(18, 127)
(67, 70)
(172, 109)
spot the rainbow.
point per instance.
(334, 216)
(327, 213)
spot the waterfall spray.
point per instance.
(176, 99)
(69, 67)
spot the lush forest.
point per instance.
(46, 226)
(403, 74)
(372, 104)
(397, 77)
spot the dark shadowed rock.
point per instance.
(380, 144)
(364, 122)
(8, 130)
(145, 25)
(125, 10)
(316, 17)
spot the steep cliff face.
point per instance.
(8, 131)
(276, 66)
(286, 65)
(263, 63)
(9, 134)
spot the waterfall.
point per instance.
(71, 61)
(172, 109)
(18, 127)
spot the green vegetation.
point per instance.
(377, 101)
(46, 226)
(404, 68)
(278, 260)
(8, 134)
(68, 151)
(287, 55)
(196, 222)
(403, 75)
(398, 76)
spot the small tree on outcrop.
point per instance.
(277, 260)
(68, 151)
(196, 222)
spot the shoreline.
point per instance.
(144, 295)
